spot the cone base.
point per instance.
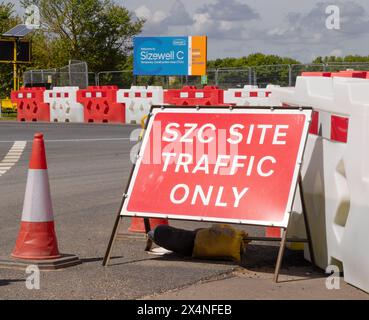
(34, 257)
(36, 241)
(65, 261)
(138, 224)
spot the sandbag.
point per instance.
(173, 239)
(219, 242)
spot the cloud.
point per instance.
(216, 20)
(159, 22)
(305, 35)
(150, 16)
(221, 20)
(230, 10)
(178, 15)
(336, 52)
(154, 19)
(235, 28)
(311, 28)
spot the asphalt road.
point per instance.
(88, 169)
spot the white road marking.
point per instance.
(76, 140)
(12, 156)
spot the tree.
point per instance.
(349, 59)
(255, 59)
(96, 31)
(7, 21)
(7, 17)
(266, 69)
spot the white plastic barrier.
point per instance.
(63, 104)
(250, 96)
(138, 101)
(336, 171)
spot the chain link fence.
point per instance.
(283, 75)
(76, 74)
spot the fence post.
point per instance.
(250, 76)
(216, 76)
(69, 73)
(289, 75)
(87, 82)
(255, 79)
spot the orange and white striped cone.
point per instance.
(37, 239)
(138, 224)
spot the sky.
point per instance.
(235, 28)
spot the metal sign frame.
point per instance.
(15, 53)
(296, 181)
(15, 62)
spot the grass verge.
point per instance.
(8, 116)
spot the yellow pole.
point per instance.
(15, 68)
(143, 123)
(15, 82)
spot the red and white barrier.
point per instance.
(70, 104)
(138, 101)
(30, 104)
(192, 96)
(336, 170)
(249, 96)
(100, 104)
(63, 104)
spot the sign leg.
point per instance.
(147, 230)
(112, 240)
(306, 220)
(280, 254)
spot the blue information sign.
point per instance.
(161, 56)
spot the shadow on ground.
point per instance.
(257, 258)
(9, 281)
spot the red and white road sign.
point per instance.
(220, 165)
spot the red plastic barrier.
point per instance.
(191, 96)
(100, 104)
(31, 105)
(316, 74)
(253, 94)
(351, 74)
(345, 74)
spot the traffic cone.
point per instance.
(273, 232)
(37, 239)
(138, 224)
